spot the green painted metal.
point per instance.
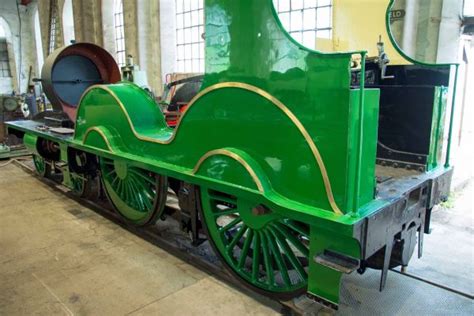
(362, 142)
(261, 246)
(78, 184)
(30, 140)
(133, 191)
(437, 128)
(277, 137)
(451, 118)
(266, 139)
(41, 167)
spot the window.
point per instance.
(306, 20)
(68, 22)
(52, 36)
(4, 62)
(119, 33)
(189, 39)
(468, 8)
(53, 26)
(39, 42)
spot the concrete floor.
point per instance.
(58, 257)
(448, 252)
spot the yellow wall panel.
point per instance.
(357, 25)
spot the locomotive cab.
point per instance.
(415, 72)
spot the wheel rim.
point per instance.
(137, 195)
(263, 248)
(40, 165)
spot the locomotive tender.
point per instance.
(298, 165)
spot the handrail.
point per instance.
(451, 118)
(360, 135)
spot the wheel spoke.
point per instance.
(225, 199)
(237, 220)
(113, 182)
(266, 259)
(119, 187)
(147, 194)
(122, 190)
(140, 195)
(142, 187)
(225, 212)
(134, 197)
(294, 240)
(256, 256)
(279, 259)
(109, 173)
(245, 249)
(296, 227)
(109, 162)
(137, 195)
(126, 194)
(289, 253)
(236, 238)
(141, 175)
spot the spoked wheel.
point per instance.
(41, 166)
(84, 182)
(78, 185)
(138, 195)
(268, 251)
(84, 186)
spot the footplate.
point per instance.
(338, 262)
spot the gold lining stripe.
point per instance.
(243, 86)
(101, 133)
(234, 156)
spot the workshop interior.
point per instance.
(306, 153)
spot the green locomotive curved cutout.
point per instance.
(155, 132)
(227, 171)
